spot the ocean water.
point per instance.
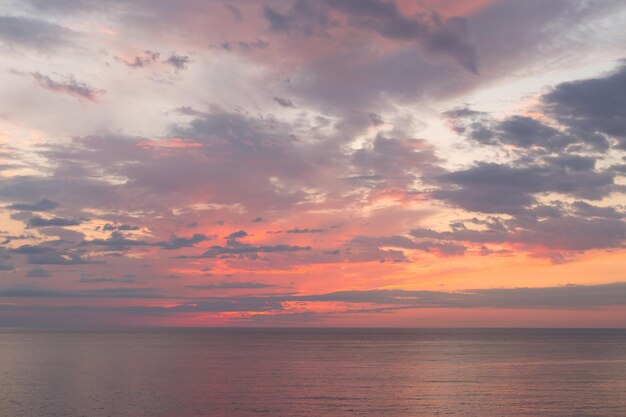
(312, 372)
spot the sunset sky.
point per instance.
(417, 163)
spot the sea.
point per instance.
(312, 372)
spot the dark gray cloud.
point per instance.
(67, 85)
(571, 233)
(237, 235)
(56, 258)
(443, 248)
(28, 249)
(66, 186)
(42, 205)
(117, 241)
(251, 45)
(585, 209)
(9, 238)
(227, 285)
(120, 227)
(244, 46)
(55, 221)
(303, 17)
(519, 131)
(565, 297)
(284, 102)
(149, 58)
(557, 155)
(172, 179)
(594, 108)
(128, 279)
(507, 35)
(220, 305)
(433, 33)
(304, 231)
(4, 267)
(38, 273)
(554, 232)
(99, 293)
(179, 62)
(393, 162)
(590, 112)
(146, 59)
(182, 242)
(234, 10)
(501, 188)
(250, 251)
(33, 33)
(573, 162)
(568, 297)
(66, 7)
(525, 132)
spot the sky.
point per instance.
(408, 163)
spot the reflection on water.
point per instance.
(313, 372)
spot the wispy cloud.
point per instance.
(67, 85)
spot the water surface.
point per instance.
(312, 372)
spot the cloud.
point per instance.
(38, 273)
(437, 35)
(558, 153)
(284, 102)
(501, 188)
(129, 279)
(56, 221)
(258, 44)
(6, 267)
(568, 297)
(587, 112)
(148, 58)
(573, 162)
(302, 231)
(182, 242)
(237, 235)
(433, 33)
(120, 227)
(99, 293)
(56, 258)
(363, 148)
(28, 249)
(554, 233)
(393, 162)
(42, 205)
(179, 62)
(230, 285)
(68, 85)
(33, 33)
(403, 242)
(250, 251)
(563, 297)
(585, 209)
(519, 131)
(244, 46)
(117, 241)
(234, 11)
(594, 107)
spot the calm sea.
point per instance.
(313, 372)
